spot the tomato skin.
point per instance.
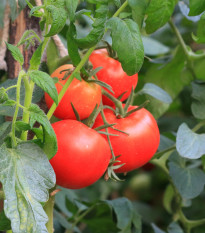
(112, 74)
(83, 95)
(82, 157)
(137, 148)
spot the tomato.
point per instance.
(83, 95)
(83, 155)
(137, 148)
(112, 74)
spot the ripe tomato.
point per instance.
(83, 155)
(139, 146)
(83, 95)
(112, 74)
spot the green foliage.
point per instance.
(36, 58)
(5, 223)
(188, 180)
(44, 81)
(196, 7)
(25, 186)
(159, 12)
(189, 144)
(16, 53)
(129, 48)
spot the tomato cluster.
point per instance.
(83, 154)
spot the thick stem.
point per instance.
(18, 89)
(48, 208)
(29, 86)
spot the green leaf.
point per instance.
(171, 77)
(124, 211)
(2, 9)
(97, 32)
(13, 7)
(5, 129)
(198, 103)
(156, 229)
(174, 228)
(158, 13)
(26, 175)
(188, 181)
(127, 42)
(71, 5)
(72, 45)
(59, 16)
(196, 7)
(22, 126)
(153, 47)
(168, 198)
(156, 92)
(35, 11)
(185, 11)
(5, 223)
(138, 10)
(44, 81)
(200, 38)
(189, 144)
(49, 138)
(15, 52)
(36, 58)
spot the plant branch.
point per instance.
(121, 9)
(48, 208)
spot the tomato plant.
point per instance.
(113, 74)
(140, 139)
(83, 95)
(82, 157)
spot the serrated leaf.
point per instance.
(198, 103)
(5, 223)
(71, 5)
(15, 52)
(26, 175)
(156, 92)
(158, 13)
(48, 135)
(44, 81)
(59, 17)
(127, 42)
(196, 7)
(174, 228)
(35, 11)
(22, 126)
(36, 58)
(97, 32)
(189, 144)
(188, 181)
(5, 129)
(138, 10)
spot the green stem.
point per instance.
(198, 126)
(67, 84)
(48, 208)
(18, 89)
(117, 102)
(121, 9)
(188, 54)
(14, 86)
(29, 86)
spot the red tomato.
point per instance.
(112, 74)
(140, 145)
(83, 95)
(83, 155)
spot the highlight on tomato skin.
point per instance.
(141, 143)
(83, 95)
(112, 74)
(83, 155)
